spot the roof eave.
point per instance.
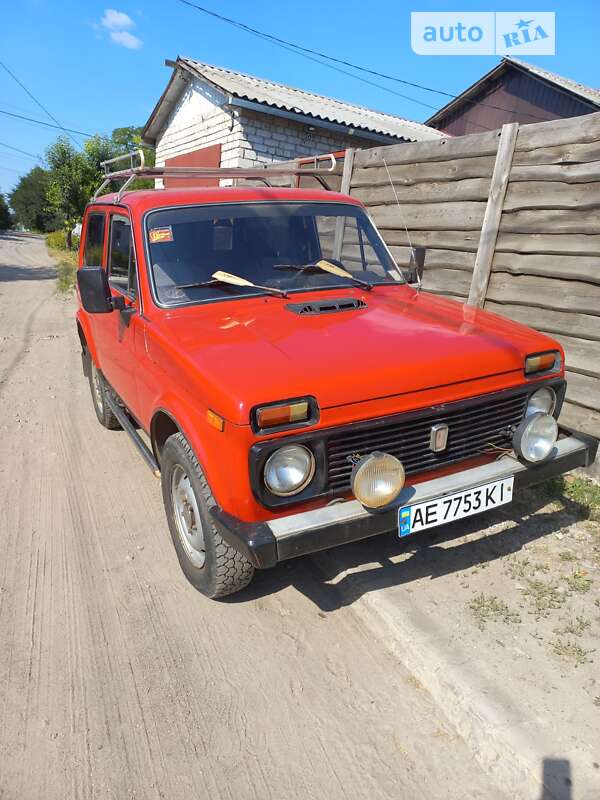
(317, 122)
(166, 102)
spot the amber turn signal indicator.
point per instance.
(215, 420)
(543, 362)
(285, 414)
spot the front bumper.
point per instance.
(266, 543)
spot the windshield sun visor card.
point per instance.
(158, 235)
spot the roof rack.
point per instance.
(262, 173)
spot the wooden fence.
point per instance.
(511, 222)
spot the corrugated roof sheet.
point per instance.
(587, 92)
(287, 98)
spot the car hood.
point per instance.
(257, 350)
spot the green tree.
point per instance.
(74, 176)
(68, 186)
(5, 215)
(130, 138)
(30, 204)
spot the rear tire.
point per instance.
(99, 390)
(209, 563)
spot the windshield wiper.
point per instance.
(326, 266)
(227, 278)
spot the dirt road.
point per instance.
(117, 679)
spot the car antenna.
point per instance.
(413, 254)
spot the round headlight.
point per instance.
(377, 479)
(543, 400)
(535, 437)
(289, 470)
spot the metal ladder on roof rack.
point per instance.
(134, 171)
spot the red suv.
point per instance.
(292, 389)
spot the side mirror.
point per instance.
(94, 290)
(414, 273)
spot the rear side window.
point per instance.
(94, 241)
(121, 260)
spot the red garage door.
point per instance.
(204, 157)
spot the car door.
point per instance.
(115, 333)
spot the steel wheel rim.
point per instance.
(187, 517)
(97, 388)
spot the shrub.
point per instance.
(58, 240)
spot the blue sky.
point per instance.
(96, 71)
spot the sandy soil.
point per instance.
(117, 679)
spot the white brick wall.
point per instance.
(246, 137)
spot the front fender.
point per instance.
(221, 454)
(84, 330)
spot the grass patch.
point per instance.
(519, 568)
(574, 627)
(542, 596)
(578, 581)
(567, 555)
(66, 268)
(572, 651)
(487, 608)
(576, 490)
(524, 567)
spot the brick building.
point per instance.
(210, 116)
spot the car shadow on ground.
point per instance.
(429, 554)
(9, 274)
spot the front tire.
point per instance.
(99, 390)
(209, 563)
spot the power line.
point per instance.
(303, 51)
(345, 72)
(23, 152)
(37, 102)
(46, 124)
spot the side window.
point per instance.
(121, 258)
(94, 241)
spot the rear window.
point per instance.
(94, 241)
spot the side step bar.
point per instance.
(129, 428)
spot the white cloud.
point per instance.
(126, 39)
(117, 23)
(116, 20)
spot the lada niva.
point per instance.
(291, 385)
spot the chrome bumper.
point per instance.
(266, 543)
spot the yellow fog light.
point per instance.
(377, 479)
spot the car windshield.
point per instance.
(273, 244)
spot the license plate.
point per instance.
(412, 519)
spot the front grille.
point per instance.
(471, 430)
